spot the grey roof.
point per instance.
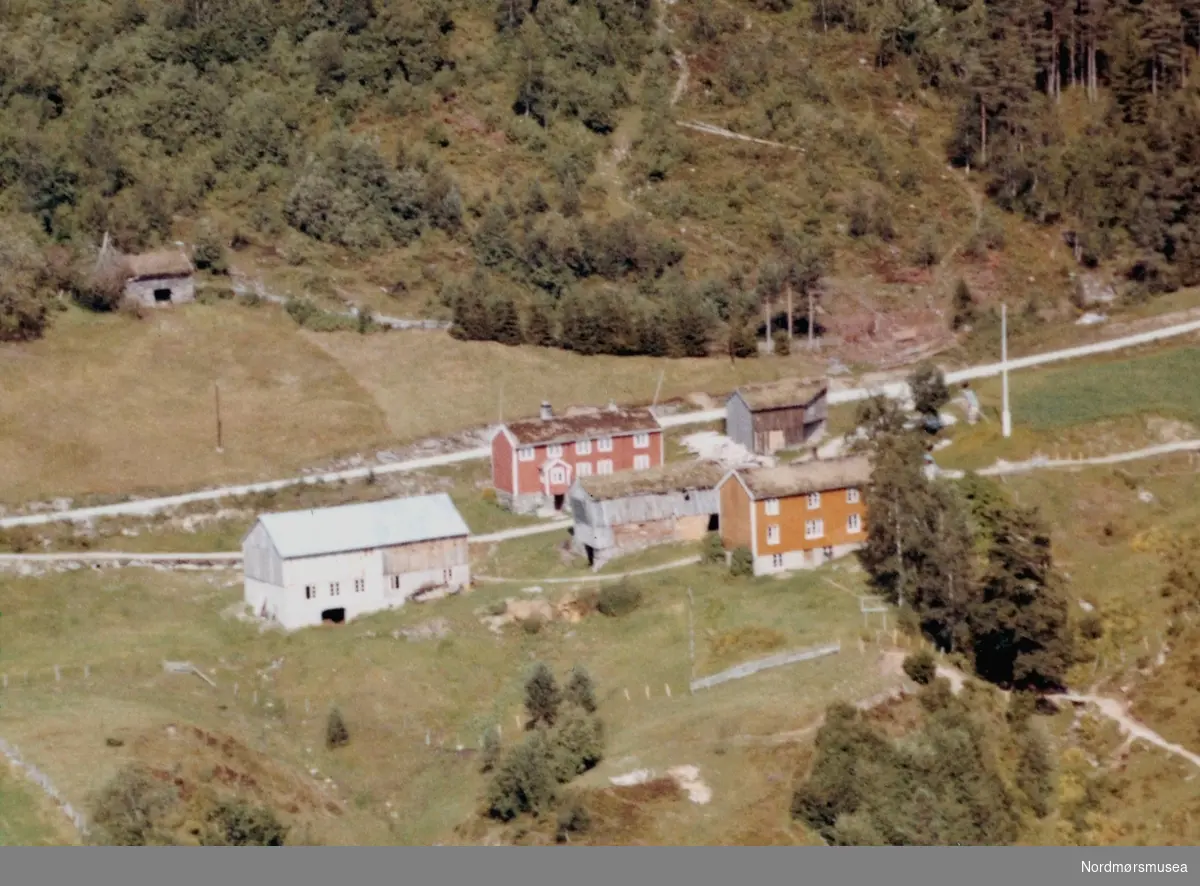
(358, 527)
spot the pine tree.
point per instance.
(493, 246)
(896, 500)
(504, 321)
(570, 203)
(539, 328)
(964, 306)
(542, 697)
(336, 733)
(943, 586)
(1019, 626)
(535, 198)
(581, 691)
(471, 317)
(929, 391)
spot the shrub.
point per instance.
(926, 253)
(741, 563)
(577, 743)
(336, 733)
(301, 310)
(19, 539)
(103, 289)
(964, 305)
(581, 691)
(929, 391)
(497, 608)
(524, 781)
(620, 599)
(489, 754)
(1091, 626)
(131, 810)
(251, 300)
(239, 823)
(920, 667)
(209, 250)
(533, 624)
(572, 819)
(542, 697)
(712, 549)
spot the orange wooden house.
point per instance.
(795, 516)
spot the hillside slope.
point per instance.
(614, 176)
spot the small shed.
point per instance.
(766, 418)
(160, 278)
(632, 510)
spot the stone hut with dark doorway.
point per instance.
(160, 278)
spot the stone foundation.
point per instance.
(795, 560)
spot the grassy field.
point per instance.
(1109, 536)
(1083, 409)
(111, 405)
(26, 817)
(389, 785)
(107, 406)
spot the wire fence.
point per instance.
(47, 786)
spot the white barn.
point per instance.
(335, 564)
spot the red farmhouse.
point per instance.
(535, 461)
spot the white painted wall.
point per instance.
(288, 605)
(793, 560)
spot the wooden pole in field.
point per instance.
(1006, 416)
(217, 393)
(691, 643)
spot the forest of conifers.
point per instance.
(127, 116)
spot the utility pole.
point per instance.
(691, 644)
(811, 319)
(658, 389)
(217, 392)
(1006, 415)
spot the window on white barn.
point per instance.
(525, 453)
(641, 462)
(447, 576)
(335, 589)
(395, 582)
(583, 447)
(360, 585)
(310, 592)
(777, 561)
(773, 534)
(641, 441)
(604, 444)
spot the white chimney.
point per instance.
(547, 414)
